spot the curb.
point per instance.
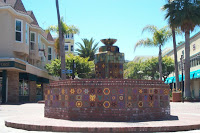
(52, 128)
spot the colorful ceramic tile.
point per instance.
(92, 97)
(129, 105)
(106, 91)
(86, 97)
(72, 91)
(78, 97)
(79, 91)
(140, 104)
(106, 104)
(92, 104)
(114, 104)
(86, 91)
(140, 91)
(79, 104)
(121, 97)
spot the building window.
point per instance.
(49, 53)
(194, 47)
(32, 41)
(39, 42)
(183, 54)
(18, 30)
(27, 34)
(23, 88)
(66, 47)
(72, 48)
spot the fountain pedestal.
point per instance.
(109, 61)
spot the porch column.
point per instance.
(13, 86)
(32, 91)
(4, 82)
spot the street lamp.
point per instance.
(182, 68)
(140, 73)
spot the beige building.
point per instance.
(195, 64)
(25, 48)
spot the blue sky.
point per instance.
(120, 19)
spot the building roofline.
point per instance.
(10, 8)
(182, 43)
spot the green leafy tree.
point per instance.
(160, 37)
(186, 15)
(87, 49)
(132, 69)
(148, 69)
(83, 69)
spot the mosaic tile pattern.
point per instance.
(108, 97)
(109, 63)
(104, 99)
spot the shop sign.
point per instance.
(4, 64)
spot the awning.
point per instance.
(180, 78)
(197, 74)
(170, 80)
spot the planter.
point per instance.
(176, 97)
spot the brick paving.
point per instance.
(188, 113)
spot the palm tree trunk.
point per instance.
(175, 59)
(62, 54)
(160, 61)
(187, 64)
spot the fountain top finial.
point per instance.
(109, 41)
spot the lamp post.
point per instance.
(182, 85)
(140, 73)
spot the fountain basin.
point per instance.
(107, 100)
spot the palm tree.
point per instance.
(62, 54)
(65, 29)
(186, 15)
(171, 9)
(160, 37)
(87, 49)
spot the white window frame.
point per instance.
(19, 31)
(67, 44)
(51, 53)
(32, 41)
(27, 34)
(71, 48)
(39, 42)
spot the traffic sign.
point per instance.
(67, 71)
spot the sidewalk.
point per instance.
(30, 117)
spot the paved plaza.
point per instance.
(189, 113)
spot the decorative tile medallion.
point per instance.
(78, 97)
(140, 104)
(72, 91)
(79, 104)
(86, 91)
(106, 91)
(79, 91)
(92, 97)
(106, 104)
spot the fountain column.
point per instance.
(109, 61)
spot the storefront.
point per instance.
(21, 82)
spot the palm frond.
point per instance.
(145, 43)
(149, 28)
